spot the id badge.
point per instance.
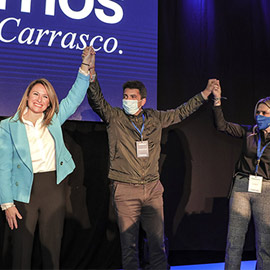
(142, 149)
(255, 184)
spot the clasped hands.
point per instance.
(88, 56)
(213, 87)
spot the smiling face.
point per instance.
(38, 99)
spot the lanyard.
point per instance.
(259, 153)
(140, 131)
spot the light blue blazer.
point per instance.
(16, 172)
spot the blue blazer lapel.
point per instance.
(19, 137)
(56, 132)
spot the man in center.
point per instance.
(134, 135)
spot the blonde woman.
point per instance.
(33, 164)
(250, 195)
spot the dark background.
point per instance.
(198, 40)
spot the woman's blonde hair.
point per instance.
(53, 106)
(265, 101)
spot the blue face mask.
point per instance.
(263, 122)
(130, 106)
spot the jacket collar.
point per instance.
(19, 137)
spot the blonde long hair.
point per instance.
(265, 101)
(54, 103)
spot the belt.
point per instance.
(132, 182)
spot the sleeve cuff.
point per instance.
(93, 77)
(83, 72)
(204, 96)
(5, 206)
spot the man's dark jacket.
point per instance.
(125, 166)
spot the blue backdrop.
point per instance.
(45, 38)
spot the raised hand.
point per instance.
(88, 56)
(217, 94)
(12, 214)
(210, 87)
(217, 90)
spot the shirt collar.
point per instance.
(29, 123)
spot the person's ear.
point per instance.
(143, 101)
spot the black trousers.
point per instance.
(47, 209)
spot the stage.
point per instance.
(246, 265)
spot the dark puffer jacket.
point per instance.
(125, 166)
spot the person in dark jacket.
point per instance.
(134, 137)
(251, 188)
